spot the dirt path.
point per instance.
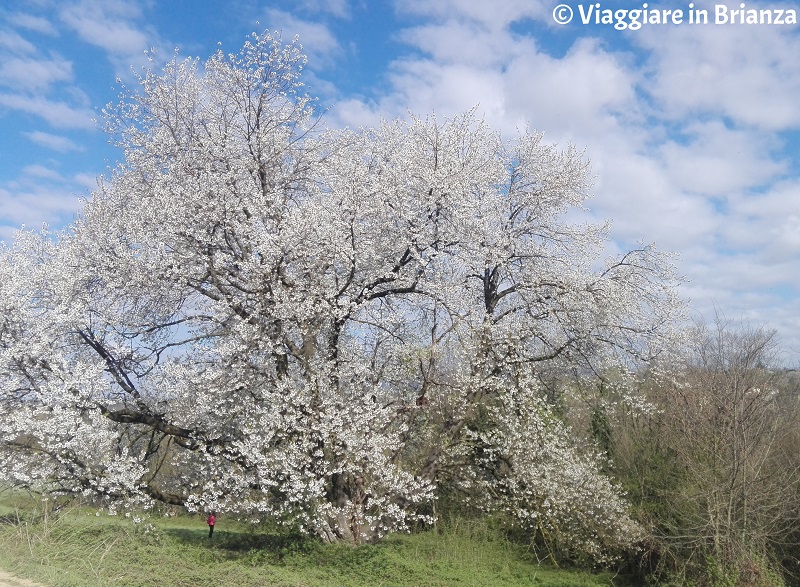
(7, 580)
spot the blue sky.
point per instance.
(693, 131)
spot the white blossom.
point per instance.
(255, 315)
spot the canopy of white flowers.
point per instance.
(256, 315)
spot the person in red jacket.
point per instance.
(212, 519)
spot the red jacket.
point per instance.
(211, 520)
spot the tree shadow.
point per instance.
(11, 520)
(262, 546)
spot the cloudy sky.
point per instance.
(692, 129)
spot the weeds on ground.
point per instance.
(68, 546)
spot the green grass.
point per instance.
(76, 548)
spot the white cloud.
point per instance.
(35, 75)
(86, 180)
(15, 43)
(338, 8)
(588, 92)
(748, 73)
(35, 205)
(57, 114)
(319, 44)
(462, 42)
(634, 190)
(42, 172)
(54, 142)
(766, 224)
(720, 161)
(106, 24)
(112, 26)
(33, 23)
(355, 113)
(493, 15)
(426, 86)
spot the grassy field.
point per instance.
(77, 548)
